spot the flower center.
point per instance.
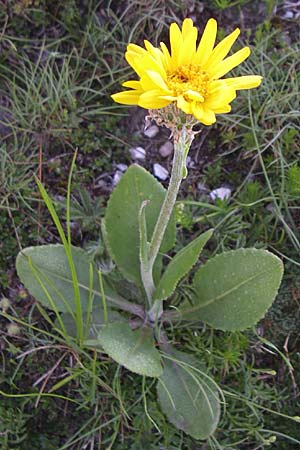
(188, 77)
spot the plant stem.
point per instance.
(182, 142)
(180, 152)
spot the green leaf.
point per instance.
(132, 349)
(233, 290)
(96, 322)
(144, 245)
(50, 265)
(189, 398)
(122, 224)
(180, 265)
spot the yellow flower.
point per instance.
(189, 75)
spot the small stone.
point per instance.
(160, 172)
(117, 177)
(166, 149)
(151, 131)
(138, 153)
(190, 164)
(122, 167)
(222, 193)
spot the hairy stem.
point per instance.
(170, 198)
(182, 142)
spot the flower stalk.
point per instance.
(182, 143)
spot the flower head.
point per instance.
(188, 75)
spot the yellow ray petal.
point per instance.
(207, 42)
(184, 105)
(155, 52)
(208, 117)
(197, 110)
(152, 100)
(158, 80)
(147, 62)
(171, 98)
(167, 62)
(175, 41)
(132, 84)
(193, 95)
(219, 98)
(187, 26)
(134, 61)
(187, 50)
(223, 110)
(127, 97)
(244, 82)
(136, 49)
(229, 63)
(221, 50)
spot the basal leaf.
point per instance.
(180, 265)
(233, 290)
(50, 272)
(95, 323)
(189, 398)
(134, 350)
(121, 219)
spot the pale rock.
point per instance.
(122, 167)
(160, 172)
(138, 153)
(151, 131)
(166, 149)
(190, 164)
(222, 193)
(117, 177)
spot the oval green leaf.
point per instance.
(180, 265)
(189, 398)
(132, 349)
(233, 290)
(121, 219)
(50, 272)
(96, 321)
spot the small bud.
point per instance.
(23, 293)
(13, 329)
(4, 304)
(270, 440)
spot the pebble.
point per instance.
(122, 167)
(288, 15)
(160, 172)
(151, 131)
(190, 164)
(138, 153)
(117, 177)
(166, 149)
(222, 193)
